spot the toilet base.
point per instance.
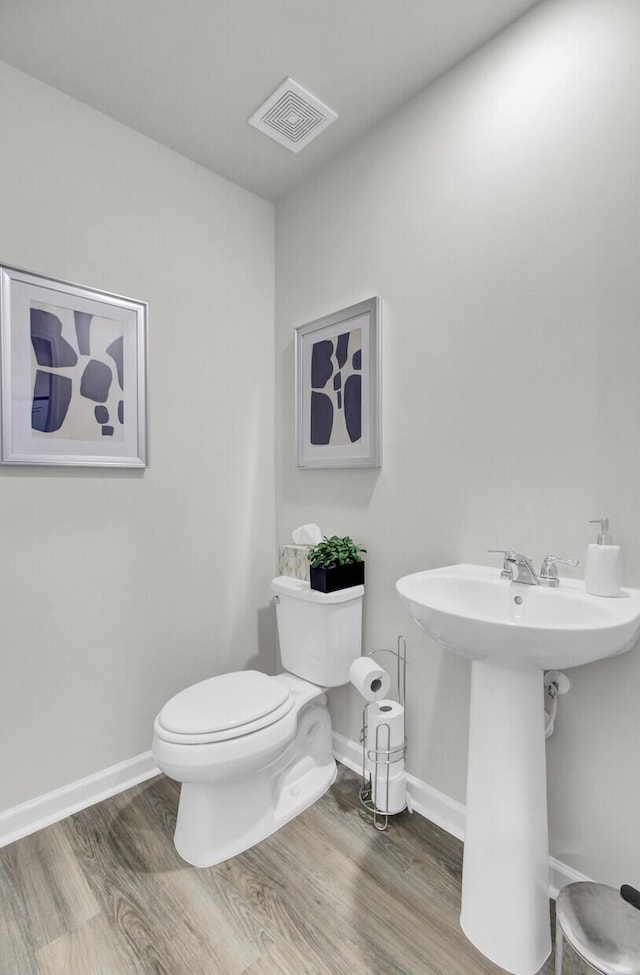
(217, 820)
(200, 836)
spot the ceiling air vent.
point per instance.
(292, 116)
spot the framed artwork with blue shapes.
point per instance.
(73, 373)
(338, 388)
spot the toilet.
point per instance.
(253, 751)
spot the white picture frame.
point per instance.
(73, 374)
(338, 388)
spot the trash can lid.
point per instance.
(601, 926)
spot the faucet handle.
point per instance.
(549, 572)
(509, 557)
(550, 559)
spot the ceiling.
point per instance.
(189, 73)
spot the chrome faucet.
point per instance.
(518, 568)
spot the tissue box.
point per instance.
(293, 561)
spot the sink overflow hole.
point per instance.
(517, 600)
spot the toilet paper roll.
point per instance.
(388, 717)
(384, 755)
(389, 798)
(369, 679)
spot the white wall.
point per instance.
(118, 588)
(497, 217)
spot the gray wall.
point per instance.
(119, 588)
(497, 217)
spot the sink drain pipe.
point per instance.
(555, 684)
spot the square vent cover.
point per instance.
(292, 116)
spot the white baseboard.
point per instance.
(561, 874)
(53, 806)
(445, 812)
(44, 810)
(347, 752)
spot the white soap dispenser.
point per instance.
(603, 565)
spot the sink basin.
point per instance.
(471, 610)
(512, 633)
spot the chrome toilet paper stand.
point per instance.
(380, 757)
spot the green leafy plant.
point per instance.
(334, 551)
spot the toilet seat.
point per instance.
(223, 708)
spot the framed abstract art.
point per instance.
(338, 388)
(74, 374)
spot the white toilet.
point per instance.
(253, 751)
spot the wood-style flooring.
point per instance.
(104, 893)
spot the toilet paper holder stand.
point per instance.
(374, 790)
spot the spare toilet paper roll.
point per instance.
(389, 797)
(369, 679)
(307, 535)
(385, 724)
(385, 755)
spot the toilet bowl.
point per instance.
(253, 751)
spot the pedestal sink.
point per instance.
(512, 633)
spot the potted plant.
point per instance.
(336, 564)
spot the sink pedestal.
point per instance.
(505, 877)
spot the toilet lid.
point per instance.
(223, 703)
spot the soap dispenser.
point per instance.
(603, 564)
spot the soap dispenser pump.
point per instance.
(603, 564)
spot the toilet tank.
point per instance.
(320, 633)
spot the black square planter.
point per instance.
(339, 577)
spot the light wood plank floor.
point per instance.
(104, 893)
